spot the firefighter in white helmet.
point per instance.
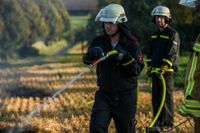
(116, 76)
(163, 54)
(191, 102)
(162, 11)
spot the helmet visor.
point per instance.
(188, 3)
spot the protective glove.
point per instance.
(163, 69)
(124, 58)
(96, 52)
(121, 53)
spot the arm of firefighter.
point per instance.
(94, 51)
(86, 59)
(133, 63)
(149, 51)
(172, 52)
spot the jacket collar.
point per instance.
(123, 38)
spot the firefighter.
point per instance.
(116, 97)
(191, 102)
(163, 54)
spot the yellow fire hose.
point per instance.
(157, 71)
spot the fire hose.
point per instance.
(90, 66)
(63, 88)
(151, 127)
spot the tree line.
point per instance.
(138, 12)
(23, 22)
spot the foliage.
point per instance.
(180, 75)
(37, 23)
(78, 31)
(16, 26)
(140, 20)
(78, 21)
(53, 19)
(138, 13)
(23, 22)
(63, 13)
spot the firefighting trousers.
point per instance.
(119, 107)
(166, 117)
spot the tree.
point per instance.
(2, 26)
(16, 27)
(39, 29)
(139, 17)
(23, 22)
(184, 21)
(63, 13)
(53, 19)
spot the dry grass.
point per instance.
(78, 48)
(24, 90)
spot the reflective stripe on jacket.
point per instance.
(191, 103)
(164, 48)
(113, 76)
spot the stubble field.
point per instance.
(26, 102)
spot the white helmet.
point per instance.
(112, 13)
(188, 3)
(161, 11)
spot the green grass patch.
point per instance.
(180, 75)
(78, 21)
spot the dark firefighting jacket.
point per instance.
(164, 49)
(113, 76)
